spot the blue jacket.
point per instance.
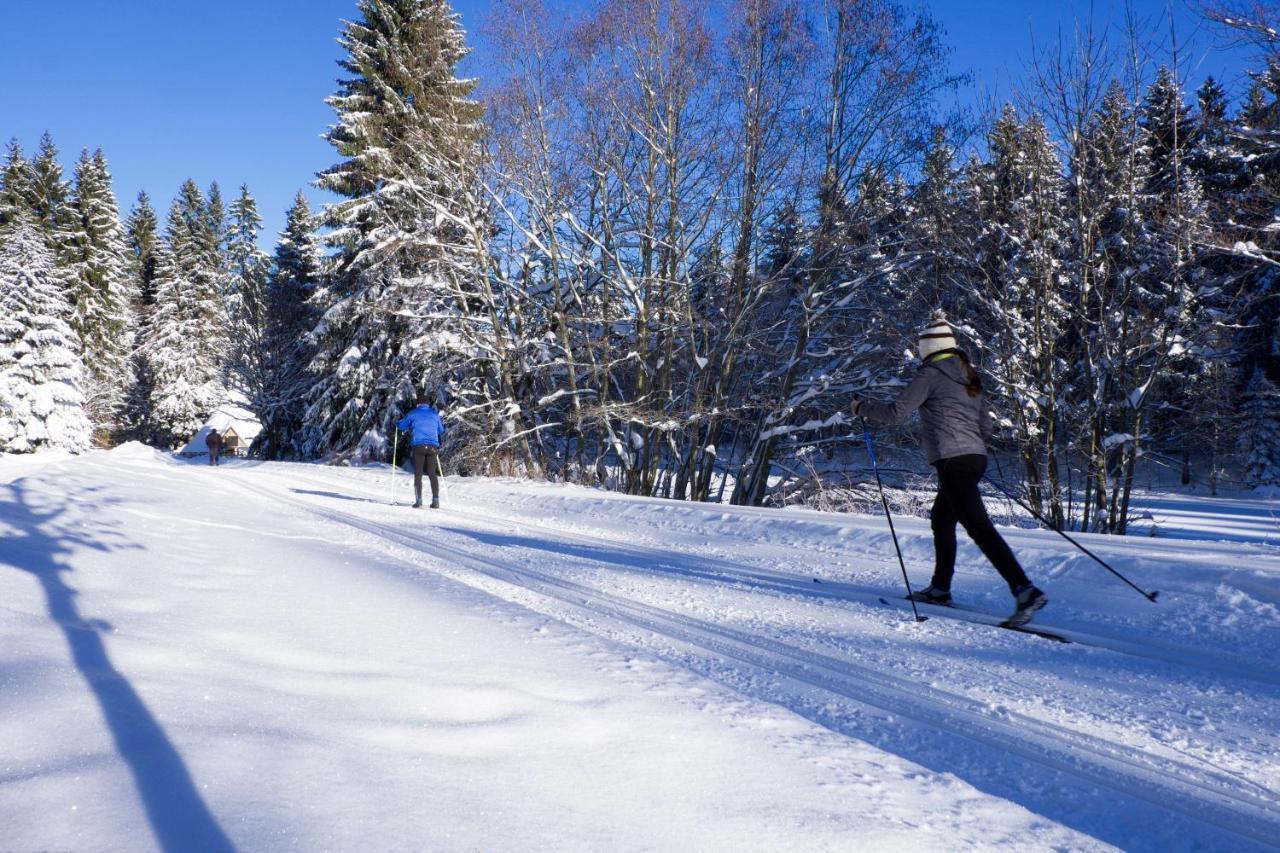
(423, 425)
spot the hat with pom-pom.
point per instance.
(936, 336)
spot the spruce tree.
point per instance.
(16, 186)
(783, 242)
(1165, 321)
(185, 343)
(41, 374)
(940, 230)
(1110, 170)
(1214, 155)
(142, 240)
(215, 215)
(1170, 128)
(99, 287)
(1259, 436)
(50, 192)
(245, 296)
(407, 131)
(296, 272)
(1258, 136)
(141, 234)
(1023, 304)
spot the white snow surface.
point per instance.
(270, 656)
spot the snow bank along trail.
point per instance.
(1135, 751)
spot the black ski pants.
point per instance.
(426, 458)
(959, 501)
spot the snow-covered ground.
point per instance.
(269, 656)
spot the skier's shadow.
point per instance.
(320, 494)
(39, 545)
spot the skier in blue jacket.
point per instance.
(425, 431)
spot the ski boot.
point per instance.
(932, 595)
(1028, 600)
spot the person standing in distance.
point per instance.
(213, 442)
(954, 423)
(425, 431)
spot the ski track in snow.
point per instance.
(1197, 789)
(1156, 730)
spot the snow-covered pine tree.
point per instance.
(41, 401)
(1214, 154)
(217, 232)
(1257, 133)
(99, 288)
(50, 192)
(1023, 305)
(295, 274)
(407, 129)
(1209, 396)
(15, 185)
(142, 235)
(1110, 171)
(941, 230)
(835, 318)
(185, 342)
(1168, 320)
(783, 241)
(143, 242)
(215, 215)
(1260, 431)
(245, 296)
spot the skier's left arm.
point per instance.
(900, 409)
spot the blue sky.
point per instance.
(234, 90)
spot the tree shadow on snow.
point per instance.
(40, 544)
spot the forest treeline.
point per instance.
(666, 242)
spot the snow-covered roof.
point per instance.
(228, 415)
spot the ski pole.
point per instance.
(1149, 596)
(391, 488)
(440, 472)
(885, 503)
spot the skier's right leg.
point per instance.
(963, 474)
(433, 466)
(419, 460)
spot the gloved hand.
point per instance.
(854, 406)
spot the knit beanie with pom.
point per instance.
(936, 336)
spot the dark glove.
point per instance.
(854, 406)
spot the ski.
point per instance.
(979, 617)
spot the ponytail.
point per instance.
(974, 385)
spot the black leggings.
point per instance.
(425, 457)
(958, 500)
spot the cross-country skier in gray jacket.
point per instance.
(954, 423)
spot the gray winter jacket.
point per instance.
(952, 423)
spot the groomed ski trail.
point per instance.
(712, 570)
(778, 672)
